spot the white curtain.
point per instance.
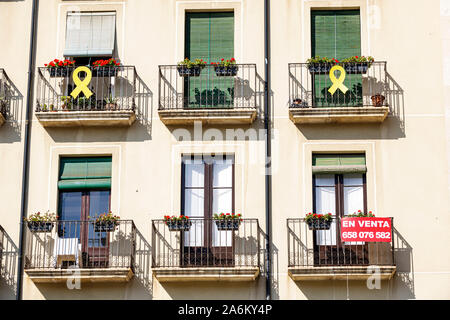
(222, 199)
(326, 203)
(194, 202)
(353, 196)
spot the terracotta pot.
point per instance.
(378, 100)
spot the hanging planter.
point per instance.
(106, 222)
(105, 68)
(41, 223)
(188, 68)
(181, 223)
(225, 68)
(60, 68)
(357, 65)
(227, 222)
(318, 221)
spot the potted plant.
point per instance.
(188, 68)
(110, 103)
(318, 221)
(360, 214)
(106, 222)
(356, 64)
(38, 222)
(319, 64)
(105, 68)
(378, 100)
(227, 221)
(180, 223)
(299, 103)
(67, 103)
(60, 68)
(225, 68)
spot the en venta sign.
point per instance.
(366, 229)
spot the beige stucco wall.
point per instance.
(406, 158)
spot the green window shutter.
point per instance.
(336, 34)
(84, 173)
(209, 36)
(339, 163)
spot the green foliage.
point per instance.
(191, 64)
(38, 217)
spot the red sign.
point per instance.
(366, 229)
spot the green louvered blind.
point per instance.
(209, 36)
(85, 173)
(339, 163)
(336, 34)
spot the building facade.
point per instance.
(118, 125)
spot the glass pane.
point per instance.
(325, 180)
(194, 203)
(353, 199)
(354, 179)
(223, 174)
(194, 174)
(326, 203)
(98, 204)
(70, 207)
(222, 202)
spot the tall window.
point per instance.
(209, 36)
(336, 34)
(207, 188)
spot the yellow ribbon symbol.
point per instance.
(82, 86)
(337, 83)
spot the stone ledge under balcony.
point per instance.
(208, 116)
(2, 120)
(338, 115)
(338, 273)
(86, 118)
(85, 275)
(228, 274)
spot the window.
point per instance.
(209, 36)
(339, 187)
(84, 192)
(336, 34)
(207, 188)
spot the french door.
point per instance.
(207, 188)
(340, 195)
(77, 209)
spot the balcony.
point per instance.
(207, 97)
(321, 255)
(78, 250)
(4, 97)
(204, 253)
(111, 104)
(365, 101)
(8, 264)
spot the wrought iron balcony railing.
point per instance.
(367, 85)
(320, 248)
(208, 88)
(203, 245)
(5, 94)
(81, 244)
(113, 88)
(8, 258)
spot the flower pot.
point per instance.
(179, 225)
(229, 71)
(111, 106)
(320, 67)
(356, 68)
(56, 72)
(299, 103)
(105, 71)
(228, 224)
(105, 226)
(184, 71)
(38, 226)
(317, 224)
(378, 100)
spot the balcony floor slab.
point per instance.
(338, 115)
(85, 275)
(208, 116)
(86, 118)
(339, 273)
(229, 274)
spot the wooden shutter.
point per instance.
(84, 173)
(336, 34)
(209, 36)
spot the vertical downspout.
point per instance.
(26, 147)
(268, 159)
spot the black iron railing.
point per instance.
(8, 258)
(315, 248)
(5, 94)
(80, 244)
(205, 246)
(208, 88)
(113, 88)
(309, 84)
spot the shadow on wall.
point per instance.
(12, 108)
(392, 128)
(8, 266)
(274, 256)
(401, 286)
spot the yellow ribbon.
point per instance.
(337, 83)
(82, 86)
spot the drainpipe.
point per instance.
(268, 159)
(26, 147)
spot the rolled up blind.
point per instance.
(339, 163)
(85, 173)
